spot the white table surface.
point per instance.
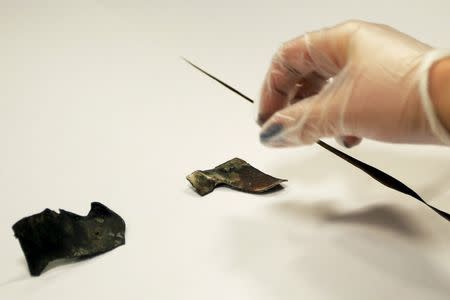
(95, 105)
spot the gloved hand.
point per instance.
(350, 81)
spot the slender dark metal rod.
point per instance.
(373, 172)
(219, 81)
(381, 177)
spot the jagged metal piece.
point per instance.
(235, 173)
(48, 236)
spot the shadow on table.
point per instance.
(314, 251)
(52, 265)
(423, 173)
(385, 217)
(19, 278)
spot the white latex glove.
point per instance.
(354, 80)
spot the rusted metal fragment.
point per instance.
(48, 236)
(235, 173)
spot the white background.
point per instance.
(95, 105)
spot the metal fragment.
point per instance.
(235, 173)
(48, 236)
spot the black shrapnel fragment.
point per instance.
(49, 236)
(237, 174)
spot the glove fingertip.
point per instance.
(348, 141)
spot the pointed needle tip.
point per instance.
(219, 81)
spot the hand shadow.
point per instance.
(312, 251)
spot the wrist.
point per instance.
(439, 89)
